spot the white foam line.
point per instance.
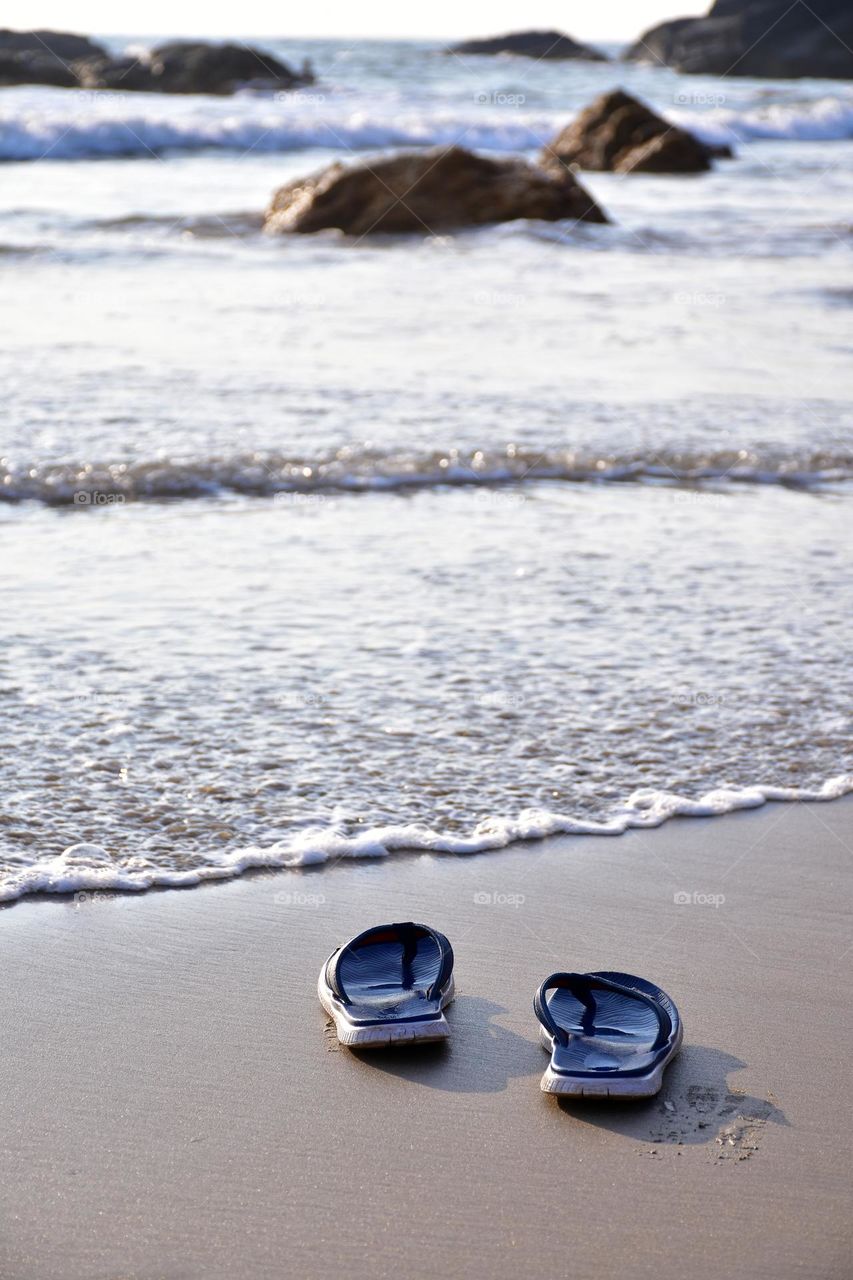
(67, 124)
(828, 119)
(91, 868)
(61, 484)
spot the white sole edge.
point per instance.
(626, 1087)
(382, 1034)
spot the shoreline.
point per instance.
(91, 869)
(198, 1119)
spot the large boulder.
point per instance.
(57, 44)
(182, 66)
(43, 57)
(431, 190)
(765, 38)
(619, 134)
(35, 68)
(128, 74)
(532, 44)
(185, 66)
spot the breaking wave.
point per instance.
(68, 124)
(352, 470)
(85, 868)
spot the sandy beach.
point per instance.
(425, 472)
(174, 1104)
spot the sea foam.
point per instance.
(86, 869)
(69, 124)
(264, 475)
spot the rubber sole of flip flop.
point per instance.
(615, 1087)
(382, 1034)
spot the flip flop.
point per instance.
(610, 1035)
(389, 985)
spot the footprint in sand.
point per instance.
(735, 1120)
(740, 1138)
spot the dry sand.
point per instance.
(173, 1106)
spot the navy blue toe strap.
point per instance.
(408, 933)
(582, 986)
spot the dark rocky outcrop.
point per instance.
(617, 133)
(35, 68)
(532, 44)
(43, 57)
(56, 44)
(126, 74)
(194, 67)
(765, 38)
(183, 66)
(425, 191)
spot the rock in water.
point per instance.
(182, 66)
(130, 75)
(185, 66)
(34, 68)
(43, 57)
(618, 134)
(56, 44)
(426, 191)
(765, 38)
(532, 44)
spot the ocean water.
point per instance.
(317, 548)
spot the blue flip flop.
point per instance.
(389, 985)
(610, 1035)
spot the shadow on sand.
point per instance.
(695, 1105)
(481, 1056)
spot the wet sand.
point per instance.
(174, 1107)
